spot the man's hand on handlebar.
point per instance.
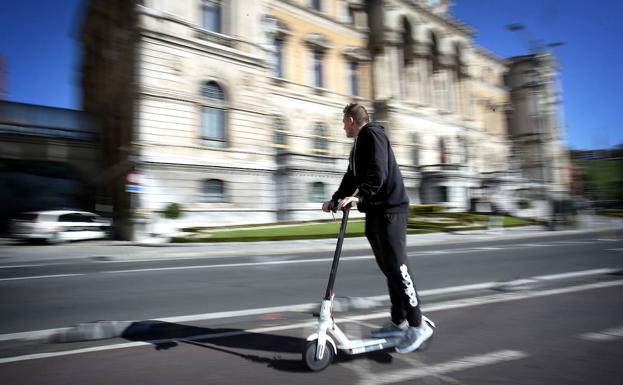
(347, 202)
(327, 206)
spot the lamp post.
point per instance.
(534, 45)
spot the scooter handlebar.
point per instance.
(345, 208)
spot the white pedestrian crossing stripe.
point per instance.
(604, 335)
(444, 367)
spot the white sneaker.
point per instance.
(390, 329)
(414, 338)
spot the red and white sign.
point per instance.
(134, 182)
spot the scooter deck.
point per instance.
(370, 345)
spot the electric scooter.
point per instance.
(323, 345)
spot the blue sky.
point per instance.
(38, 39)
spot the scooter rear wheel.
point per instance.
(309, 357)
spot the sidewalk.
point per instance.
(586, 224)
(604, 227)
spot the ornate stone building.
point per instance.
(233, 108)
(535, 122)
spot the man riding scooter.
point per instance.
(373, 181)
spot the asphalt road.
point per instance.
(569, 333)
(56, 294)
(529, 332)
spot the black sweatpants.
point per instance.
(387, 234)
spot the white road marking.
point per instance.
(39, 277)
(37, 356)
(194, 267)
(573, 242)
(413, 361)
(243, 264)
(621, 249)
(604, 335)
(514, 296)
(311, 306)
(490, 248)
(20, 266)
(575, 274)
(430, 308)
(32, 335)
(445, 367)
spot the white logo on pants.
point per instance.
(409, 289)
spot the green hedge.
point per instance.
(416, 210)
(611, 212)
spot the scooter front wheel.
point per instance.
(309, 357)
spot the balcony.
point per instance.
(447, 171)
(293, 162)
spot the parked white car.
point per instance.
(57, 226)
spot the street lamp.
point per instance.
(534, 45)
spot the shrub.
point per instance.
(524, 204)
(172, 211)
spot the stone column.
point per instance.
(447, 94)
(380, 70)
(394, 64)
(421, 64)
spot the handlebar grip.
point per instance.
(346, 208)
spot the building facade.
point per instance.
(535, 121)
(49, 159)
(233, 108)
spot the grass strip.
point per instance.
(355, 228)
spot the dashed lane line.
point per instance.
(576, 274)
(39, 277)
(22, 266)
(604, 335)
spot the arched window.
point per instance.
(278, 56)
(321, 145)
(407, 42)
(211, 11)
(317, 192)
(353, 76)
(212, 190)
(316, 4)
(280, 133)
(441, 89)
(317, 70)
(442, 151)
(459, 62)
(407, 65)
(213, 115)
(212, 90)
(415, 150)
(434, 52)
(464, 150)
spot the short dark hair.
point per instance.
(357, 112)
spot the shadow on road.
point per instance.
(165, 335)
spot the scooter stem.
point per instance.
(336, 256)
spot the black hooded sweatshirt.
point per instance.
(373, 174)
